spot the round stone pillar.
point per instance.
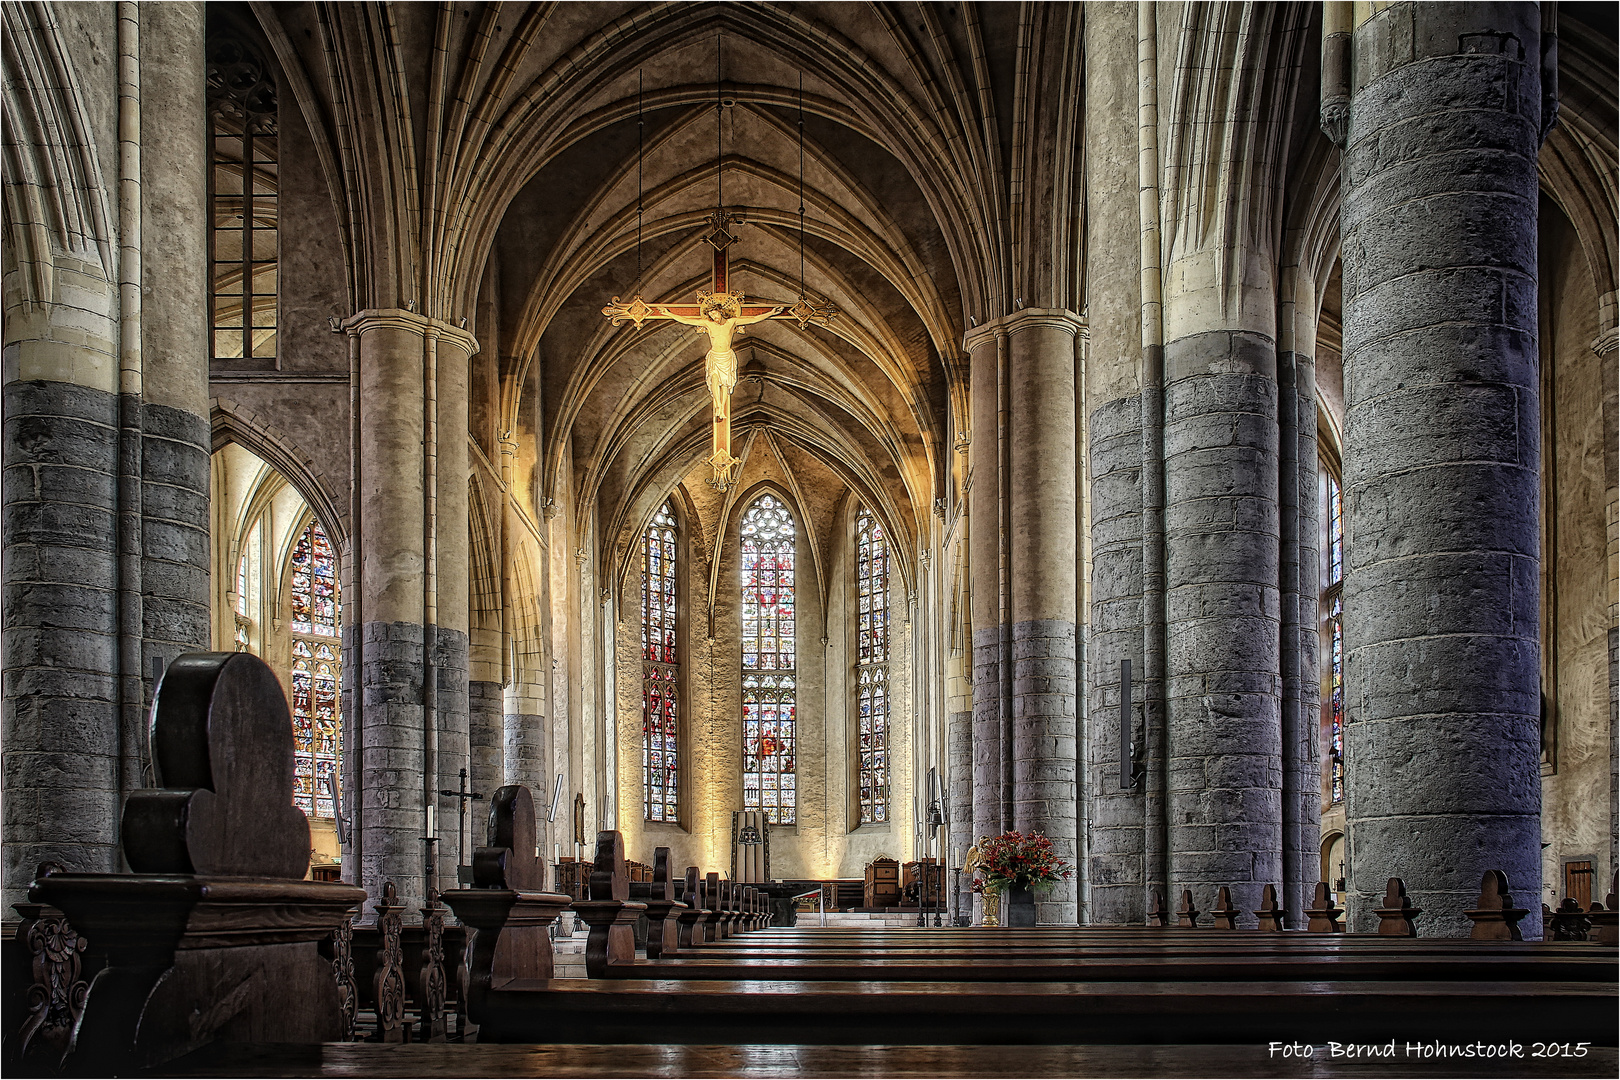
(987, 555)
(450, 353)
(389, 814)
(1222, 613)
(1042, 484)
(1442, 449)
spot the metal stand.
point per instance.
(956, 896)
(461, 828)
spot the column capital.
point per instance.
(363, 322)
(1024, 319)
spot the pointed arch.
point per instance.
(231, 423)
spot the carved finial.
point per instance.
(1187, 915)
(1395, 917)
(609, 881)
(509, 860)
(1270, 914)
(222, 743)
(1569, 922)
(1225, 914)
(1494, 916)
(1157, 915)
(1323, 913)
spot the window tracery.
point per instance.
(243, 190)
(769, 661)
(872, 667)
(660, 698)
(1333, 609)
(316, 712)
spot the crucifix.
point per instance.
(466, 795)
(720, 313)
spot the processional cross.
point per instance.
(721, 313)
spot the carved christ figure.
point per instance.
(721, 314)
(721, 317)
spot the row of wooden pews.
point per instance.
(215, 938)
(1183, 983)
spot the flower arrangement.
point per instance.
(1016, 861)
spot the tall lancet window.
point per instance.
(769, 662)
(660, 671)
(317, 721)
(872, 665)
(1333, 606)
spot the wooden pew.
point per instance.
(215, 936)
(508, 914)
(691, 920)
(954, 986)
(610, 913)
(663, 909)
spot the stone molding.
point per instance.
(363, 322)
(1608, 342)
(1025, 319)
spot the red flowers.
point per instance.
(1013, 860)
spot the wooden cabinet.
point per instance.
(882, 883)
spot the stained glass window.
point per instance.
(316, 714)
(872, 665)
(1333, 618)
(1336, 703)
(314, 585)
(244, 191)
(769, 662)
(660, 670)
(241, 621)
(1335, 512)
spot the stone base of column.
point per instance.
(1045, 708)
(390, 815)
(1114, 868)
(61, 730)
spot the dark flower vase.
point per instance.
(1020, 907)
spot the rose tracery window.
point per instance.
(769, 661)
(660, 679)
(872, 666)
(316, 714)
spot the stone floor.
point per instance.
(900, 1062)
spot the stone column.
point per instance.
(1115, 869)
(176, 444)
(486, 730)
(1442, 449)
(1045, 690)
(992, 795)
(451, 352)
(1221, 524)
(61, 728)
(390, 814)
(106, 414)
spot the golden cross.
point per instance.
(720, 313)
